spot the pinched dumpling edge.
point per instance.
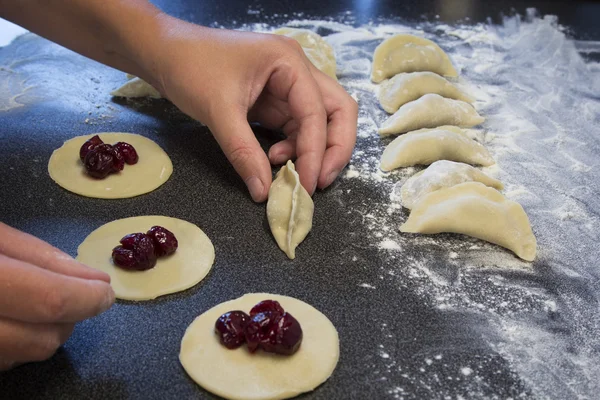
(399, 153)
(430, 111)
(388, 46)
(475, 210)
(409, 86)
(442, 174)
(289, 210)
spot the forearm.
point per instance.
(119, 33)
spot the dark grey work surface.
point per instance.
(131, 351)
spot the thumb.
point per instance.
(234, 135)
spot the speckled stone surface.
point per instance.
(131, 351)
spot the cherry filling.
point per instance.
(139, 251)
(165, 243)
(89, 145)
(101, 159)
(128, 152)
(230, 328)
(268, 327)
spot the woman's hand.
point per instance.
(227, 78)
(43, 293)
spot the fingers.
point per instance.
(282, 151)
(22, 246)
(342, 113)
(33, 294)
(239, 144)
(25, 342)
(297, 86)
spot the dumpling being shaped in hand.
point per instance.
(289, 210)
(318, 51)
(410, 86)
(408, 53)
(426, 146)
(430, 111)
(475, 210)
(439, 175)
(136, 87)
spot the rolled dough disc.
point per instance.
(185, 268)
(152, 170)
(239, 375)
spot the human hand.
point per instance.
(227, 78)
(43, 293)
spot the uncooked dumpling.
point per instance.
(476, 210)
(407, 87)
(136, 87)
(289, 210)
(428, 145)
(318, 51)
(439, 175)
(408, 53)
(430, 111)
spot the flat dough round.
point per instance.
(152, 170)
(183, 269)
(239, 375)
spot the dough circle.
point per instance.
(152, 170)
(185, 268)
(239, 375)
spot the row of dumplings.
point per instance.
(450, 195)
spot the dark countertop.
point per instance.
(131, 351)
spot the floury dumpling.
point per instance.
(408, 53)
(289, 210)
(430, 111)
(475, 210)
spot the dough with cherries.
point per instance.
(152, 170)
(237, 374)
(183, 269)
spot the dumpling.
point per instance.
(476, 210)
(136, 87)
(406, 87)
(428, 145)
(439, 175)
(289, 210)
(318, 51)
(408, 53)
(430, 111)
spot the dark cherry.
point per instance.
(266, 305)
(274, 332)
(128, 152)
(119, 161)
(230, 328)
(136, 252)
(260, 329)
(100, 161)
(165, 242)
(90, 144)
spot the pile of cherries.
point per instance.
(139, 251)
(267, 327)
(101, 159)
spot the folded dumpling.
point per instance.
(426, 146)
(439, 175)
(289, 210)
(408, 53)
(430, 111)
(476, 210)
(407, 87)
(136, 87)
(318, 51)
